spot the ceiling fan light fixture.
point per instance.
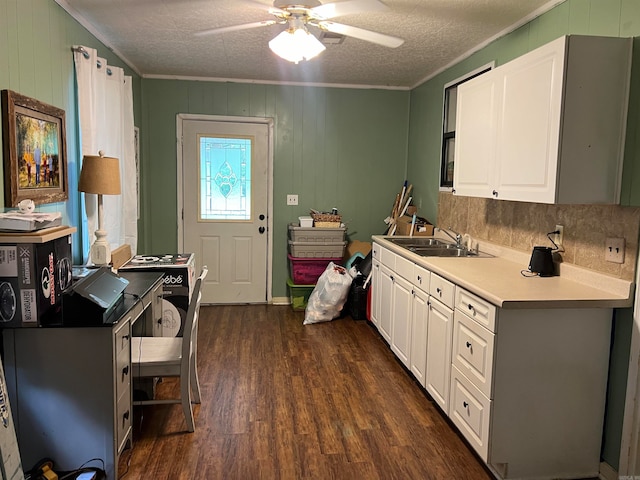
(296, 44)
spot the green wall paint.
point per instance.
(334, 147)
(36, 60)
(588, 17)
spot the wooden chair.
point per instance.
(173, 357)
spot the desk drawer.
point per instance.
(123, 421)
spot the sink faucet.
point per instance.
(457, 238)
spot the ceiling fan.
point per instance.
(296, 42)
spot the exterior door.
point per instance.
(225, 208)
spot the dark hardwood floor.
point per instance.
(285, 401)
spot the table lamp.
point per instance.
(100, 175)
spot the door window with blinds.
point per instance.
(225, 178)
(449, 125)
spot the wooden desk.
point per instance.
(70, 387)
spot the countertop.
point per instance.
(498, 278)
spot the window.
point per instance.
(449, 125)
(225, 178)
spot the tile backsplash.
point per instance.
(521, 226)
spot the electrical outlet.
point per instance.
(292, 199)
(559, 237)
(614, 250)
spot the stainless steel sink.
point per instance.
(433, 247)
(444, 250)
(418, 242)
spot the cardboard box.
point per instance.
(33, 274)
(404, 227)
(179, 276)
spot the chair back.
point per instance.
(190, 331)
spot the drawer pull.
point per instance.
(125, 370)
(439, 291)
(392, 279)
(419, 279)
(465, 404)
(125, 415)
(125, 337)
(472, 308)
(468, 344)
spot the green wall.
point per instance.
(334, 147)
(618, 18)
(36, 60)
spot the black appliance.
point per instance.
(541, 262)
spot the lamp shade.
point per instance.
(100, 175)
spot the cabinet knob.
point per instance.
(453, 190)
(391, 277)
(125, 370)
(472, 308)
(468, 345)
(495, 193)
(125, 415)
(419, 278)
(439, 290)
(465, 404)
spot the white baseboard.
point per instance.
(281, 301)
(607, 472)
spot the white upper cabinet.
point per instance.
(547, 127)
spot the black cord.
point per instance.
(134, 295)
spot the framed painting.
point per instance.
(34, 149)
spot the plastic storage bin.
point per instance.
(316, 250)
(299, 294)
(316, 235)
(306, 271)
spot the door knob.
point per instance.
(261, 229)
(261, 217)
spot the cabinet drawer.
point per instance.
(442, 289)
(123, 421)
(388, 258)
(404, 267)
(470, 411)
(473, 352)
(122, 339)
(375, 251)
(477, 308)
(421, 277)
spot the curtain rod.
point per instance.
(86, 55)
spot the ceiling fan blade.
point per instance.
(234, 28)
(362, 34)
(337, 9)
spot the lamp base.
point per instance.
(100, 250)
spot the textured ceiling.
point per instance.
(156, 38)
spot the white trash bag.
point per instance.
(329, 295)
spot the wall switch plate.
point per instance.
(614, 250)
(292, 199)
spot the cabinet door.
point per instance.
(529, 126)
(375, 289)
(476, 129)
(439, 333)
(385, 294)
(401, 323)
(419, 324)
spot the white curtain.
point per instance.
(105, 104)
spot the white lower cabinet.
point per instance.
(419, 325)
(440, 328)
(526, 387)
(470, 411)
(401, 319)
